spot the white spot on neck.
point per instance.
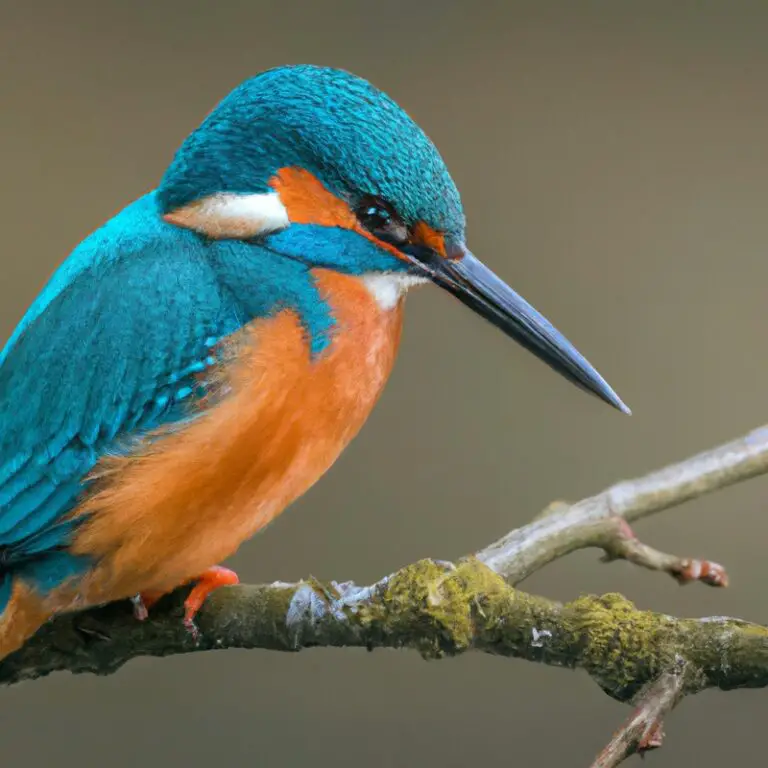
(389, 287)
(266, 209)
(225, 215)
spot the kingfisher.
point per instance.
(199, 361)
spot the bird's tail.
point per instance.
(31, 571)
(22, 615)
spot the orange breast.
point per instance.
(162, 517)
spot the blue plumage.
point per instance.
(118, 341)
(114, 347)
(303, 168)
(329, 122)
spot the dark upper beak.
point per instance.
(472, 283)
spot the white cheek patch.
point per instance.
(225, 215)
(389, 287)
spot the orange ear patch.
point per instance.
(309, 202)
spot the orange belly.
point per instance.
(162, 517)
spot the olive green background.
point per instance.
(613, 162)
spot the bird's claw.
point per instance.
(140, 612)
(191, 627)
(205, 583)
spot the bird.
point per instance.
(201, 359)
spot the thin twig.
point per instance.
(644, 730)
(623, 544)
(587, 523)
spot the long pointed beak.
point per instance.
(472, 283)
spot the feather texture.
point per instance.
(118, 344)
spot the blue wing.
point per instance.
(113, 346)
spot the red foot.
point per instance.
(207, 582)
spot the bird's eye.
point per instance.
(380, 219)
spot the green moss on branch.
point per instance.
(437, 609)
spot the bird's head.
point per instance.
(318, 165)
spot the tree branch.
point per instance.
(563, 528)
(436, 608)
(441, 609)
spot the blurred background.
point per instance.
(613, 163)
